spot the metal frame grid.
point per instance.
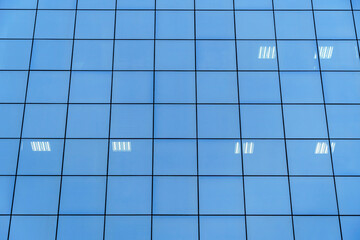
(196, 104)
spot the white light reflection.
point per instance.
(323, 148)
(121, 146)
(38, 146)
(248, 147)
(267, 52)
(237, 148)
(325, 52)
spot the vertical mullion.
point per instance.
(109, 134)
(197, 127)
(66, 122)
(241, 140)
(153, 128)
(283, 121)
(326, 119)
(23, 118)
(356, 34)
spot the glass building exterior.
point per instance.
(179, 119)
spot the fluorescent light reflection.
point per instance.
(121, 146)
(248, 147)
(39, 146)
(323, 148)
(325, 52)
(267, 52)
(237, 148)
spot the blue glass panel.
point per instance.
(40, 157)
(44, 121)
(134, 227)
(250, 4)
(225, 228)
(254, 25)
(174, 24)
(29, 195)
(292, 4)
(272, 227)
(344, 121)
(10, 122)
(8, 158)
(348, 192)
(85, 157)
(303, 121)
(218, 121)
(134, 55)
(261, 121)
(131, 121)
(175, 157)
(77, 227)
(214, 4)
(175, 55)
(50, 4)
(334, 25)
(6, 187)
(263, 157)
(95, 24)
(267, 195)
(134, 25)
(289, 23)
(32, 227)
(317, 227)
(313, 195)
(15, 55)
(350, 227)
(48, 87)
(301, 87)
(217, 87)
(88, 121)
(219, 157)
(175, 121)
(132, 87)
(259, 87)
(333, 4)
(138, 161)
(129, 195)
(93, 55)
(17, 24)
(346, 155)
(54, 24)
(339, 55)
(82, 195)
(256, 55)
(175, 195)
(309, 157)
(90, 87)
(215, 55)
(139, 4)
(214, 25)
(175, 228)
(298, 55)
(221, 195)
(341, 87)
(175, 4)
(51, 55)
(22, 4)
(13, 86)
(4, 226)
(95, 4)
(174, 87)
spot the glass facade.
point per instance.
(179, 119)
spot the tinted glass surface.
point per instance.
(179, 119)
